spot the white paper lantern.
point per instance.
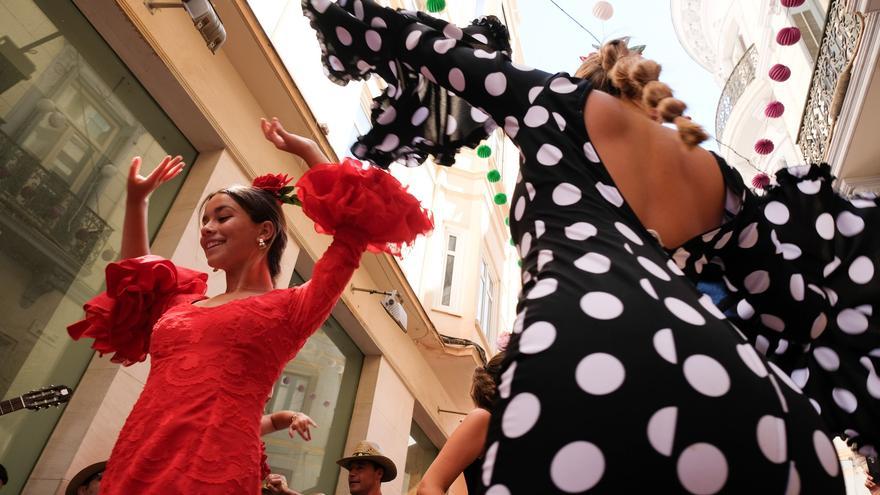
(603, 10)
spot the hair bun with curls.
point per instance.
(621, 71)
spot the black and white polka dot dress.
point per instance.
(799, 267)
(620, 374)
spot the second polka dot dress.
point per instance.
(800, 268)
(621, 376)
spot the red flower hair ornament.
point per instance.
(276, 185)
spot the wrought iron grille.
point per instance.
(839, 43)
(740, 78)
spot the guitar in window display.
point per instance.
(53, 395)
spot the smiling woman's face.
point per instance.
(228, 235)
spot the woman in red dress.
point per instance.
(196, 426)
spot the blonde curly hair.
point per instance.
(621, 72)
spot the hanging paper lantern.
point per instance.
(761, 181)
(603, 11)
(507, 221)
(788, 36)
(774, 109)
(791, 3)
(764, 147)
(436, 5)
(511, 242)
(519, 263)
(780, 73)
(500, 199)
(493, 176)
(484, 151)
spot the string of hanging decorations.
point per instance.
(602, 10)
(779, 73)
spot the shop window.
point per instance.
(71, 118)
(419, 456)
(321, 382)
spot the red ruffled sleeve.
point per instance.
(138, 291)
(350, 196)
(364, 208)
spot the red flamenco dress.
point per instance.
(196, 426)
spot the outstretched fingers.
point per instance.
(270, 130)
(166, 170)
(134, 168)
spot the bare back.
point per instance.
(675, 191)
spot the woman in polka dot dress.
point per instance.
(620, 372)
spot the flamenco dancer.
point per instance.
(196, 426)
(618, 365)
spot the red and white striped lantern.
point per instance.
(764, 147)
(788, 36)
(774, 109)
(761, 181)
(780, 72)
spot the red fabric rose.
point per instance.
(272, 182)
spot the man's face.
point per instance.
(363, 477)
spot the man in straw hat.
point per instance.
(87, 481)
(367, 469)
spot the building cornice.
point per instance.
(688, 25)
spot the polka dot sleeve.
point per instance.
(448, 87)
(800, 265)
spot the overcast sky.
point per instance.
(552, 42)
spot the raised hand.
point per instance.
(292, 143)
(140, 187)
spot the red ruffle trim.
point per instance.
(350, 197)
(138, 291)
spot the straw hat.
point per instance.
(369, 451)
(83, 475)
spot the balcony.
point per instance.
(828, 86)
(45, 213)
(740, 78)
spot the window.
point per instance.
(449, 270)
(71, 118)
(321, 382)
(419, 456)
(486, 302)
(811, 32)
(360, 126)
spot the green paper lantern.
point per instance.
(436, 5)
(484, 151)
(500, 199)
(519, 263)
(507, 221)
(493, 176)
(511, 242)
